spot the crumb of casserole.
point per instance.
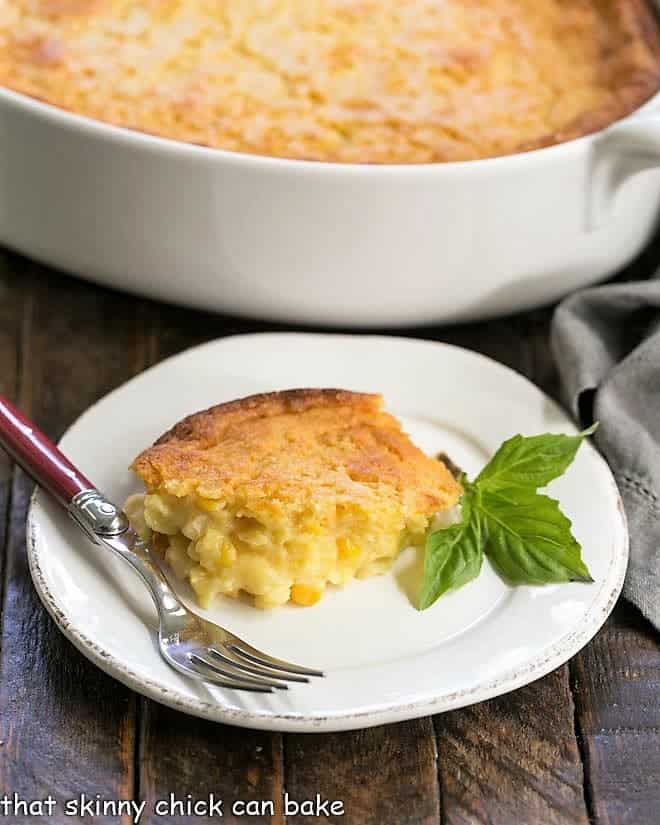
(282, 494)
(360, 81)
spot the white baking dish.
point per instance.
(319, 242)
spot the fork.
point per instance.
(192, 645)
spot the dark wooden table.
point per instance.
(580, 745)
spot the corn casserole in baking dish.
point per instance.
(359, 81)
(279, 495)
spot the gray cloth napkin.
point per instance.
(606, 342)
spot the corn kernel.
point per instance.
(209, 505)
(314, 528)
(347, 549)
(305, 595)
(227, 554)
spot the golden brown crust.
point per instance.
(204, 425)
(634, 69)
(294, 446)
(362, 81)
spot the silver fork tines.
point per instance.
(199, 674)
(204, 663)
(251, 670)
(252, 654)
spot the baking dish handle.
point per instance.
(621, 151)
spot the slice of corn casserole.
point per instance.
(279, 495)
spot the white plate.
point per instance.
(385, 661)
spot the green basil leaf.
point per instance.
(524, 534)
(530, 462)
(453, 555)
(529, 539)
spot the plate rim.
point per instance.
(542, 663)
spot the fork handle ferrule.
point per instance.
(38, 456)
(97, 515)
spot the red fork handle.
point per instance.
(38, 456)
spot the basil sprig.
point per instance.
(525, 535)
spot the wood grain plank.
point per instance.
(382, 775)
(66, 728)
(513, 759)
(616, 683)
(192, 760)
